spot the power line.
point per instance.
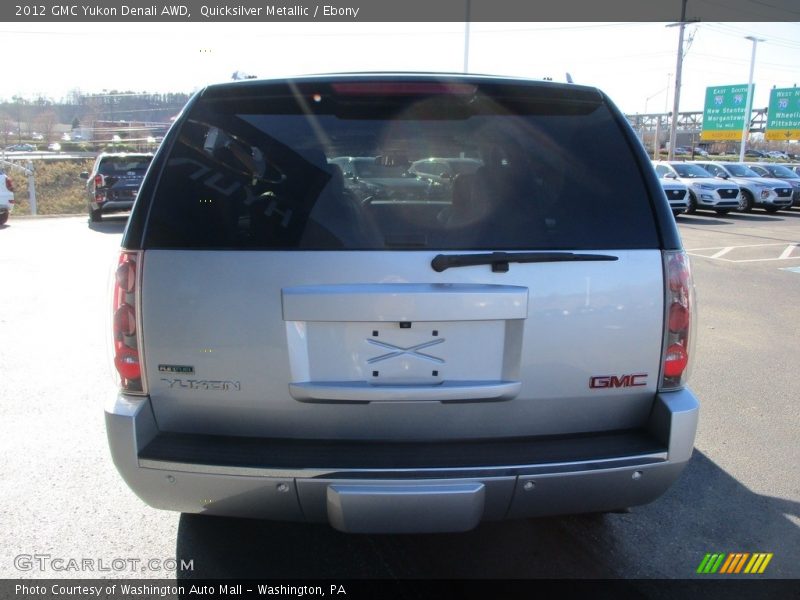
(725, 29)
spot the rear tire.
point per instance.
(95, 216)
(3, 218)
(722, 211)
(771, 209)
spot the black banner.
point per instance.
(154, 589)
(395, 11)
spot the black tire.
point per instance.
(747, 202)
(677, 213)
(771, 209)
(3, 218)
(722, 211)
(692, 208)
(95, 216)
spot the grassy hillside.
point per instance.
(59, 189)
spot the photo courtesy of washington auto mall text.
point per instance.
(158, 589)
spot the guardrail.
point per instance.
(45, 154)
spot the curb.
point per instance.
(17, 217)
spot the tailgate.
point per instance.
(365, 345)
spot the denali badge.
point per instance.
(188, 370)
(613, 381)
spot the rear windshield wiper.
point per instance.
(500, 260)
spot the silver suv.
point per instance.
(757, 191)
(289, 349)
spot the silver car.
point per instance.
(289, 350)
(780, 172)
(757, 191)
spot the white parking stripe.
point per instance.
(788, 252)
(722, 252)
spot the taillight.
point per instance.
(9, 184)
(99, 194)
(678, 320)
(125, 311)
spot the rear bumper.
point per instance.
(112, 206)
(391, 487)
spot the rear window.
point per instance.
(321, 171)
(118, 165)
(692, 171)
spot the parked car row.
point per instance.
(726, 186)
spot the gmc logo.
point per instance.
(612, 381)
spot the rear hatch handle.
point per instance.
(501, 260)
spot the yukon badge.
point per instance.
(618, 381)
(204, 384)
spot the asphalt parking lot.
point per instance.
(63, 498)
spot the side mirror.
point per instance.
(84, 175)
(670, 176)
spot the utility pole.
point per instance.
(466, 37)
(673, 130)
(749, 108)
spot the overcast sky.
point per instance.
(632, 62)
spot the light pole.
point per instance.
(658, 117)
(749, 104)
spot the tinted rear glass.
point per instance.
(321, 172)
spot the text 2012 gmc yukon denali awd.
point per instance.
(394, 358)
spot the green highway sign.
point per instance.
(783, 115)
(723, 114)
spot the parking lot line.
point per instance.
(722, 252)
(787, 252)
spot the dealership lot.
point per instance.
(740, 493)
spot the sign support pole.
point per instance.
(748, 109)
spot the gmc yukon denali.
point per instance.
(291, 349)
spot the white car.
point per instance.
(6, 197)
(677, 193)
(705, 190)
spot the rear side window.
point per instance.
(324, 171)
